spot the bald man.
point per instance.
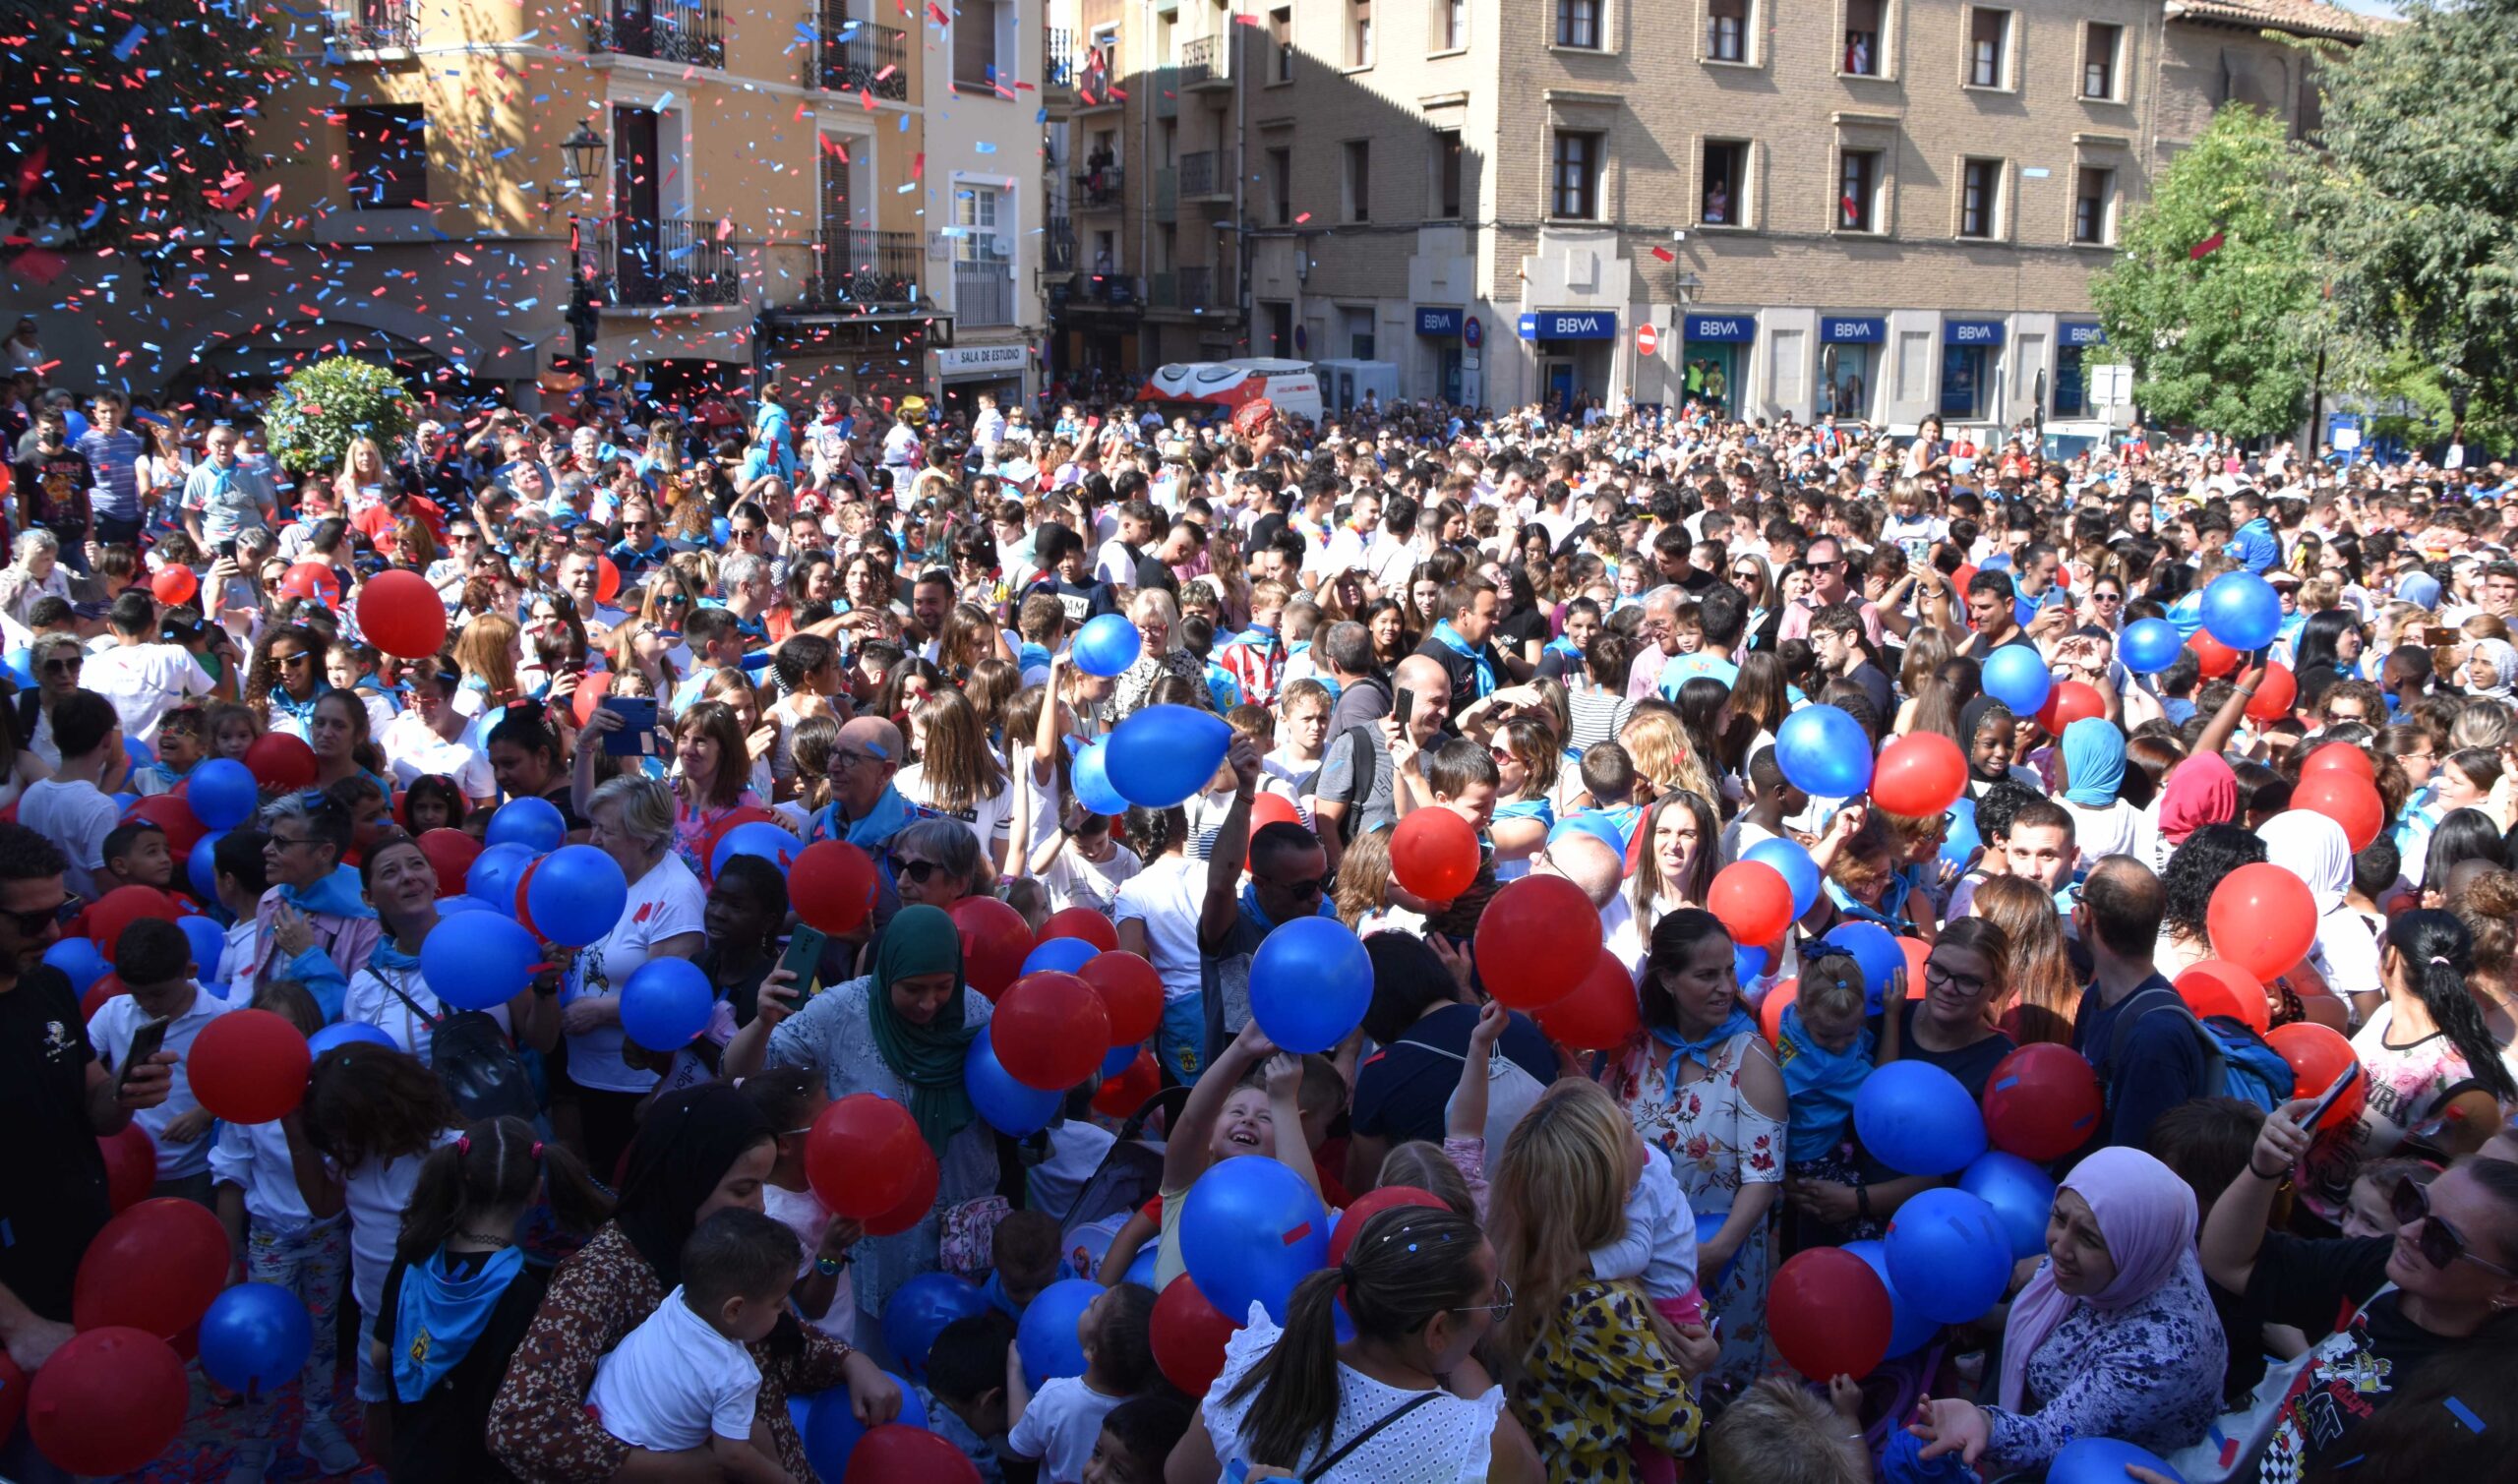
(1354, 782)
(2149, 1051)
(865, 810)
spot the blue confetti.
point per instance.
(985, 148)
(2464, 1415)
(130, 42)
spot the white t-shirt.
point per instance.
(74, 816)
(1167, 896)
(802, 1213)
(377, 1194)
(665, 903)
(371, 1001)
(415, 751)
(990, 820)
(674, 1381)
(1060, 1427)
(145, 682)
(254, 1158)
(110, 1030)
(1074, 881)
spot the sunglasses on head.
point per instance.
(2441, 1244)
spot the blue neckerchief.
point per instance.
(873, 834)
(1564, 646)
(387, 956)
(441, 1315)
(301, 712)
(1449, 638)
(1263, 923)
(1680, 1048)
(1885, 914)
(1819, 1085)
(336, 895)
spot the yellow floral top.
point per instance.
(1597, 1380)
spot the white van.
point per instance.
(1225, 386)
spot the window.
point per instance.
(1727, 30)
(1725, 203)
(1359, 33)
(1980, 197)
(2099, 44)
(2071, 379)
(1281, 45)
(1578, 23)
(1858, 190)
(1451, 24)
(1862, 38)
(387, 155)
(975, 44)
(1280, 329)
(975, 209)
(1988, 47)
(2094, 206)
(1447, 173)
(1577, 193)
(1360, 333)
(1281, 183)
(1360, 180)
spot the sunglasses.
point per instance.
(1502, 1308)
(1308, 887)
(674, 600)
(2441, 1244)
(62, 666)
(918, 871)
(32, 924)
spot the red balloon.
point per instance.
(1121, 1095)
(1829, 1314)
(996, 940)
(106, 986)
(312, 579)
(723, 824)
(1267, 810)
(832, 886)
(402, 615)
(174, 585)
(123, 906)
(108, 1401)
(2341, 757)
(862, 1155)
(590, 691)
(1918, 775)
(2217, 657)
(2041, 1102)
(279, 760)
(1433, 855)
(894, 1454)
(1050, 1031)
(2318, 1057)
(249, 1066)
(1371, 1204)
(2262, 919)
(1189, 1334)
(1916, 951)
(1131, 994)
(172, 813)
(450, 853)
(1601, 1013)
(1533, 937)
(2071, 701)
(1085, 923)
(915, 1205)
(1770, 1010)
(2274, 694)
(155, 1267)
(2215, 988)
(1752, 899)
(2345, 797)
(523, 910)
(131, 1167)
(607, 580)
(12, 1394)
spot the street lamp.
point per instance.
(582, 154)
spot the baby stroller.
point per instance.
(1131, 1173)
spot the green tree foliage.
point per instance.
(2225, 340)
(319, 410)
(2416, 210)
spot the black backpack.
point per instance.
(475, 1061)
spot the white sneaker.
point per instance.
(252, 1460)
(320, 1440)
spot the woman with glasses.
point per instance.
(285, 678)
(1158, 621)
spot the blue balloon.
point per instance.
(830, 1429)
(80, 960)
(2102, 1461)
(342, 1033)
(222, 793)
(1748, 961)
(1947, 1253)
(1918, 1119)
(1162, 755)
(1823, 753)
(140, 753)
(1141, 1266)
(2019, 1193)
(2016, 675)
(255, 1336)
(1089, 775)
(773, 843)
(533, 823)
(1066, 955)
(577, 895)
(213, 990)
(447, 906)
(1045, 1336)
(21, 666)
(1960, 845)
(1250, 1230)
(1593, 823)
(1876, 949)
(1909, 1332)
(123, 804)
(918, 1310)
(2242, 610)
(2149, 645)
(201, 867)
(666, 1003)
(1119, 1060)
(1107, 645)
(1792, 863)
(1008, 1106)
(493, 875)
(209, 940)
(1310, 982)
(483, 963)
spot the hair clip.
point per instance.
(464, 1143)
(537, 1148)
(2442, 960)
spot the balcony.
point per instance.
(1099, 189)
(1206, 64)
(1058, 60)
(1093, 76)
(1058, 246)
(858, 56)
(670, 32)
(863, 273)
(983, 294)
(374, 25)
(657, 265)
(1206, 175)
(1106, 290)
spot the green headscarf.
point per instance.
(920, 940)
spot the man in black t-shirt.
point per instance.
(56, 1100)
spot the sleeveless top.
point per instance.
(1446, 1441)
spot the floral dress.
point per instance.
(1718, 1143)
(1598, 1382)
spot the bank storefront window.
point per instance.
(1968, 351)
(2072, 360)
(1848, 363)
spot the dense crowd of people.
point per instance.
(556, 1254)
